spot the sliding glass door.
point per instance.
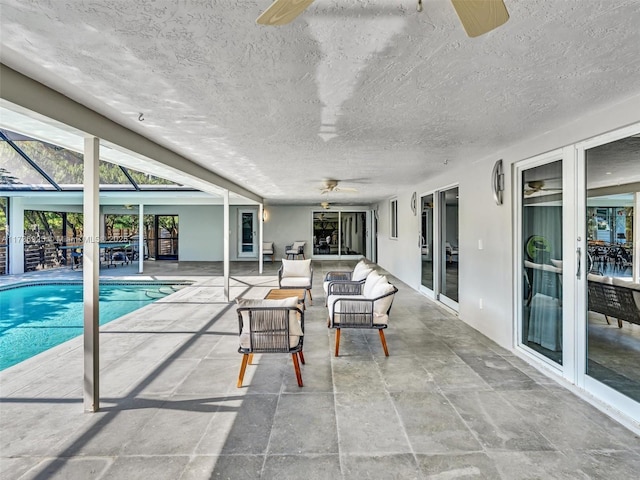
(448, 254)
(577, 268)
(541, 244)
(247, 236)
(427, 243)
(612, 319)
(338, 234)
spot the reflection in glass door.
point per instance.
(542, 202)
(449, 247)
(340, 233)
(247, 238)
(166, 237)
(426, 245)
(612, 318)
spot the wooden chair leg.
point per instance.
(301, 355)
(296, 366)
(310, 297)
(243, 367)
(384, 342)
(619, 323)
(337, 341)
(607, 319)
(250, 359)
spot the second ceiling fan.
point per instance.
(332, 186)
(477, 16)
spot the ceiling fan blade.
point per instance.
(282, 12)
(480, 16)
(346, 189)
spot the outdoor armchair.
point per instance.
(296, 274)
(369, 308)
(270, 326)
(295, 250)
(268, 250)
(358, 274)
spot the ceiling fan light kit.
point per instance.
(477, 16)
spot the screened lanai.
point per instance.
(31, 166)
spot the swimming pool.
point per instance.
(37, 317)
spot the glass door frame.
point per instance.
(569, 258)
(435, 247)
(440, 254)
(370, 233)
(159, 240)
(254, 222)
(596, 388)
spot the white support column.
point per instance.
(636, 239)
(141, 238)
(91, 274)
(227, 234)
(16, 235)
(260, 238)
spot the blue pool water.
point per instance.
(35, 318)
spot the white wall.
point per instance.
(486, 274)
(287, 224)
(201, 236)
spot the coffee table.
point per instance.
(280, 293)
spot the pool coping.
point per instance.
(35, 283)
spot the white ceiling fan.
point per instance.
(477, 16)
(332, 186)
(535, 186)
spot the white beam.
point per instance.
(260, 238)
(141, 238)
(227, 234)
(90, 275)
(16, 235)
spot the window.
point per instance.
(393, 215)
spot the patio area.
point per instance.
(447, 403)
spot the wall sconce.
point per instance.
(414, 203)
(265, 215)
(497, 182)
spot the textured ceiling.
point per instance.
(372, 93)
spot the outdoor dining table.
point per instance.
(107, 247)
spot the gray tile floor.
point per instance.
(448, 402)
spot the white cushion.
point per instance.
(544, 266)
(381, 307)
(295, 329)
(267, 247)
(361, 274)
(635, 287)
(551, 268)
(299, 282)
(373, 278)
(599, 278)
(296, 268)
(338, 306)
(359, 265)
(378, 318)
(295, 247)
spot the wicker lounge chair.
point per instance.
(270, 326)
